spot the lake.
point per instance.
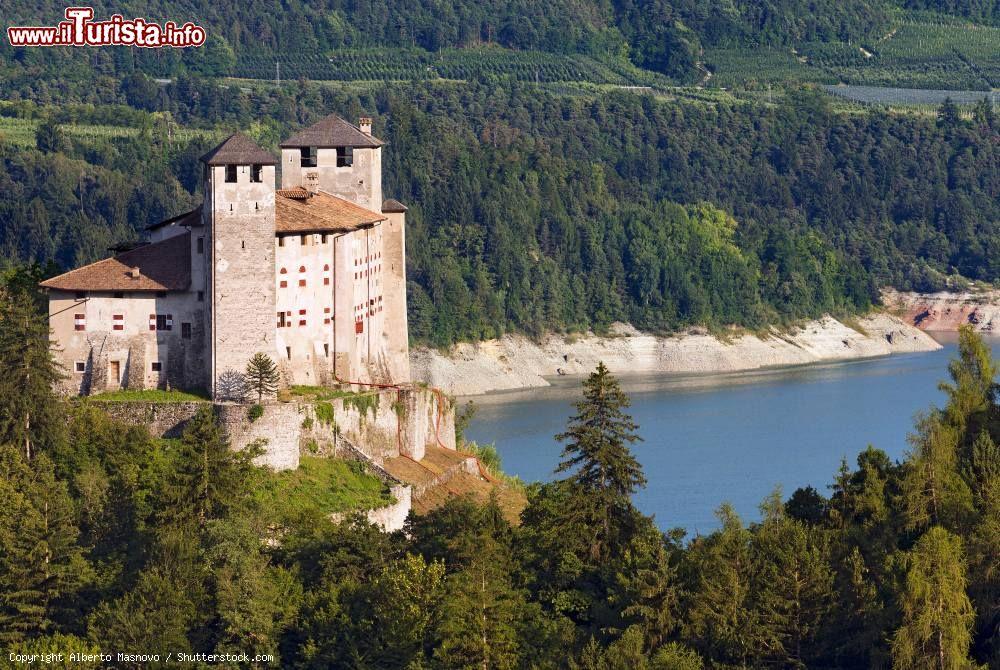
(731, 437)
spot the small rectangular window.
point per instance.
(308, 156)
(230, 174)
(80, 366)
(257, 173)
(345, 156)
(201, 296)
(326, 350)
(161, 321)
(156, 366)
(201, 245)
(186, 330)
(281, 240)
(302, 282)
(288, 352)
(324, 238)
(304, 240)
(282, 322)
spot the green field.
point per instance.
(21, 132)
(325, 486)
(149, 395)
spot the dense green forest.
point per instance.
(113, 541)
(535, 211)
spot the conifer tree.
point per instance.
(794, 584)
(480, 611)
(934, 491)
(719, 611)
(597, 455)
(972, 388)
(255, 601)
(42, 567)
(937, 616)
(948, 116)
(30, 413)
(262, 375)
(209, 479)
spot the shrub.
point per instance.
(255, 412)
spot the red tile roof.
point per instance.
(163, 266)
(298, 212)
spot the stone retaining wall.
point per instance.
(162, 419)
(278, 430)
(400, 422)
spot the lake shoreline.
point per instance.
(516, 362)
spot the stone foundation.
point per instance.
(376, 426)
(385, 424)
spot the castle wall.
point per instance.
(162, 419)
(278, 431)
(117, 347)
(386, 424)
(241, 277)
(361, 183)
(304, 289)
(400, 422)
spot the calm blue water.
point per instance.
(731, 437)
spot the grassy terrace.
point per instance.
(324, 485)
(150, 395)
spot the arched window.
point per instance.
(284, 271)
(326, 267)
(302, 268)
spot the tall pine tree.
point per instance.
(30, 414)
(597, 455)
(937, 615)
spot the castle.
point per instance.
(313, 274)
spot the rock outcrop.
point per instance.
(517, 362)
(945, 311)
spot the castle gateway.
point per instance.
(313, 274)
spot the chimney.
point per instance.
(134, 273)
(312, 182)
(365, 125)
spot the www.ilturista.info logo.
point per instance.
(80, 30)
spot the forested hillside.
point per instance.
(660, 35)
(533, 211)
(116, 542)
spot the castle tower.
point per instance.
(240, 224)
(394, 249)
(337, 157)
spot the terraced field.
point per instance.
(916, 54)
(21, 132)
(462, 64)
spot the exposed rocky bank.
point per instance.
(515, 362)
(947, 310)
